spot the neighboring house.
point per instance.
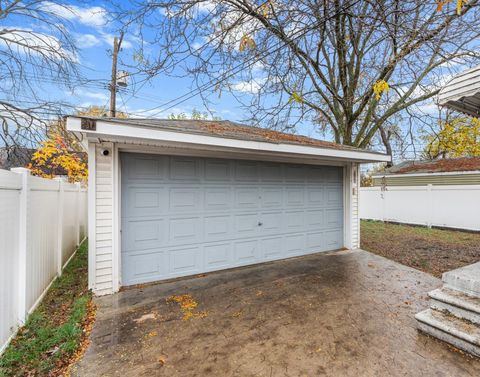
(449, 171)
(171, 198)
(462, 93)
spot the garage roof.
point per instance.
(462, 93)
(222, 134)
(444, 165)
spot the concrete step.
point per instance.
(460, 333)
(456, 303)
(465, 279)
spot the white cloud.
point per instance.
(87, 40)
(91, 16)
(28, 41)
(100, 96)
(251, 87)
(108, 38)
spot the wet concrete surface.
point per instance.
(347, 313)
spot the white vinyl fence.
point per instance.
(442, 206)
(41, 223)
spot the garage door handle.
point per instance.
(260, 223)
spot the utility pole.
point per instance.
(117, 42)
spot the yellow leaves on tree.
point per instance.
(459, 137)
(441, 3)
(379, 88)
(247, 42)
(296, 97)
(53, 157)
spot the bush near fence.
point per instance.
(42, 222)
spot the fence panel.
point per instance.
(41, 223)
(10, 186)
(455, 206)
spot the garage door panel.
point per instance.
(246, 197)
(217, 170)
(143, 234)
(143, 267)
(315, 196)
(315, 241)
(185, 261)
(144, 168)
(334, 239)
(246, 225)
(185, 199)
(271, 197)
(334, 197)
(294, 221)
(185, 230)
(184, 168)
(315, 174)
(196, 214)
(315, 219)
(246, 171)
(295, 196)
(144, 201)
(334, 218)
(271, 223)
(218, 227)
(294, 173)
(218, 256)
(295, 245)
(218, 199)
(246, 252)
(271, 172)
(333, 174)
(272, 248)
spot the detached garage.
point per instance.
(170, 198)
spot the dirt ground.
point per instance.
(430, 250)
(347, 313)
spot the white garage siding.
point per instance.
(105, 267)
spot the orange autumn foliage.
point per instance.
(53, 157)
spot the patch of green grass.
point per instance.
(53, 332)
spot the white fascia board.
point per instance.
(426, 174)
(111, 131)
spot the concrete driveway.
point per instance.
(347, 313)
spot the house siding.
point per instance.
(450, 179)
(355, 217)
(103, 276)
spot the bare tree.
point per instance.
(34, 55)
(315, 60)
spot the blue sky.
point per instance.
(93, 34)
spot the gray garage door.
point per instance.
(186, 215)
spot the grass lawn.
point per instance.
(57, 331)
(431, 250)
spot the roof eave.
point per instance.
(120, 132)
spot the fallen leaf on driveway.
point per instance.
(144, 317)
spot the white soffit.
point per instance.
(462, 93)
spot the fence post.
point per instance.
(60, 225)
(22, 244)
(78, 211)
